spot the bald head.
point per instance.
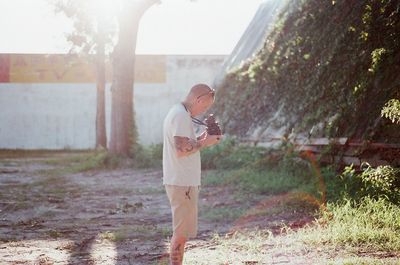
(199, 90)
(199, 99)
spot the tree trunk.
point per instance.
(101, 136)
(123, 129)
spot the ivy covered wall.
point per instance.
(330, 65)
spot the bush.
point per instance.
(380, 182)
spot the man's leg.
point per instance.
(177, 249)
(184, 218)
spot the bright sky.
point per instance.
(172, 27)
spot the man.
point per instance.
(182, 167)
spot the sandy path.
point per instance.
(100, 217)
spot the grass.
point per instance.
(145, 157)
(148, 191)
(370, 225)
(238, 248)
(54, 186)
(20, 153)
(373, 225)
(293, 184)
(81, 163)
(261, 182)
(348, 225)
(24, 196)
(71, 162)
(261, 247)
(364, 261)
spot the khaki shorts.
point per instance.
(184, 209)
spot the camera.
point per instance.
(212, 125)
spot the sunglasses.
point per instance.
(210, 92)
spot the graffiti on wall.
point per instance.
(67, 68)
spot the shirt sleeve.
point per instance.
(182, 126)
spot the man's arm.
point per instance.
(185, 146)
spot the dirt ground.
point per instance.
(120, 217)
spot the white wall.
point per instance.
(59, 116)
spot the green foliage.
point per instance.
(147, 156)
(91, 22)
(372, 224)
(98, 160)
(229, 154)
(144, 157)
(391, 110)
(377, 55)
(361, 211)
(380, 182)
(252, 171)
(256, 181)
(271, 181)
(333, 186)
(255, 170)
(312, 70)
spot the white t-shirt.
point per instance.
(179, 171)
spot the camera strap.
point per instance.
(197, 121)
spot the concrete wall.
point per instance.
(62, 115)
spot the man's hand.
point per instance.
(210, 140)
(202, 136)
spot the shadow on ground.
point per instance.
(96, 217)
(117, 217)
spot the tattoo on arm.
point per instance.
(186, 145)
(178, 248)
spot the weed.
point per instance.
(371, 223)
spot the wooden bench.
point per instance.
(342, 151)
